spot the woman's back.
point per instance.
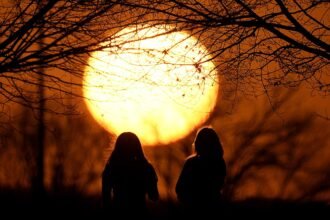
(131, 183)
(201, 181)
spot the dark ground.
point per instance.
(22, 205)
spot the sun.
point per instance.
(154, 81)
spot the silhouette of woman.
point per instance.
(203, 174)
(128, 177)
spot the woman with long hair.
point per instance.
(128, 177)
(203, 174)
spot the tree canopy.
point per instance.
(255, 44)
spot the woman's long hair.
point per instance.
(127, 149)
(207, 143)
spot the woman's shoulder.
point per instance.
(192, 159)
(149, 166)
(150, 170)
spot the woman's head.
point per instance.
(128, 147)
(207, 143)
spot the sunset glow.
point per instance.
(160, 88)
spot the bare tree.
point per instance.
(41, 45)
(54, 35)
(284, 157)
(268, 43)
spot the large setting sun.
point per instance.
(153, 81)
